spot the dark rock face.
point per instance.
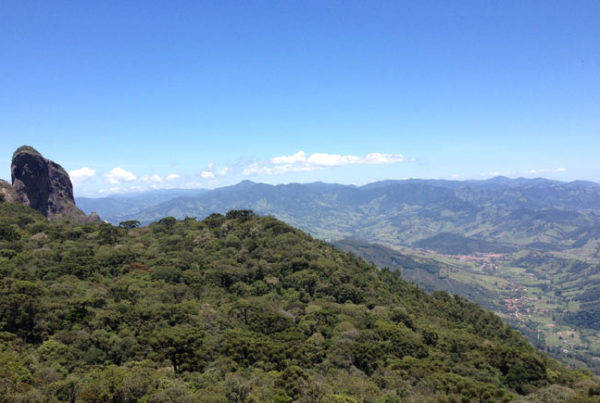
(44, 185)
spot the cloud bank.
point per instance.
(302, 162)
(122, 180)
(79, 176)
(118, 175)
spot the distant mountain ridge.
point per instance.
(510, 211)
(120, 206)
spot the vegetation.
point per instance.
(27, 149)
(455, 244)
(240, 308)
(551, 297)
(547, 232)
(129, 224)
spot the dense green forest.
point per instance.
(241, 308)
(544, 279)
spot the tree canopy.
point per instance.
(240, 308)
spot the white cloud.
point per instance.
(78, 176)
(211, 171)
(332, 160)
(118, 175)
(379, 158)
(300, 156)
(152, 179)
(301, 162)
(252, 169)
(172, 177)
(263, 168)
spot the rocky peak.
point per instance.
(43, 185)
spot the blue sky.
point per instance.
(134, 95)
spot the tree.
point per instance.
(181, 345)
(8, 233)
(19, 306)
(109, 234)
(129, 224)
(168, 222)
(241, 215)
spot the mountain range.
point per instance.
(536, 213)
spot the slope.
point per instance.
(551, 297)
(240, 308)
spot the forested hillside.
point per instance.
(529, 249)
(240, 308)
(552, 298)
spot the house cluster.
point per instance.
(519, 308)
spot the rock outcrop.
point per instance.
(42, 185)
